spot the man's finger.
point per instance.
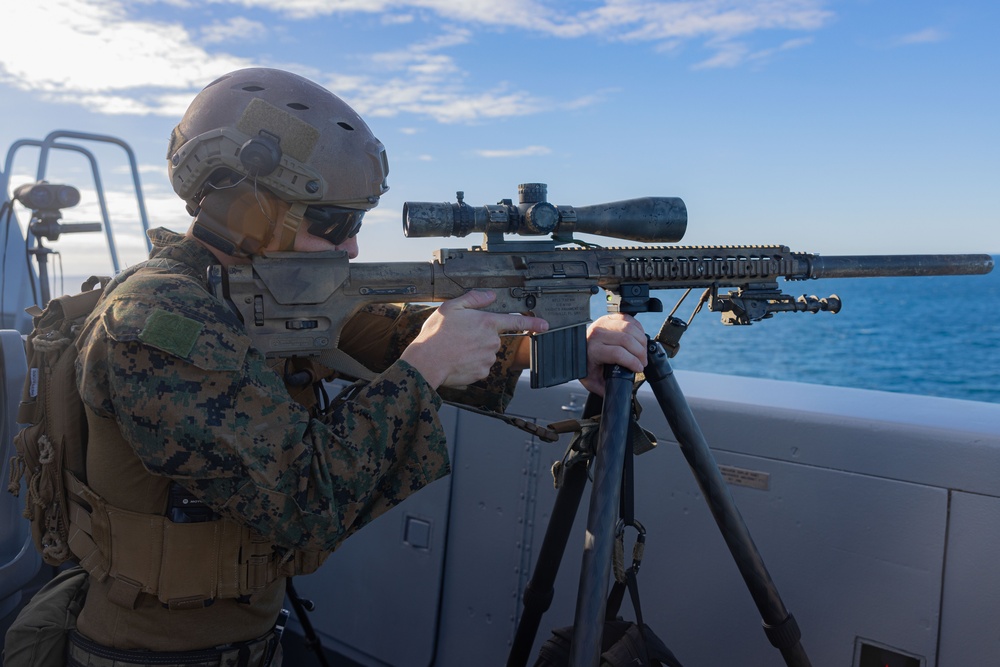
(472, 299)
(507, 323)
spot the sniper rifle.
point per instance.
(296, 304)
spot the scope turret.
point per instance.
(646, 219)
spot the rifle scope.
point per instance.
(647, 219)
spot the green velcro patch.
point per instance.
(171, 332)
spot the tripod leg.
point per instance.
(591, 602)
(540, 589)
(302, 607)
(779, 625)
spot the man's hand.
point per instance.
(615, 338)
(458, 344)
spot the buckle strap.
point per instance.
(84, 652)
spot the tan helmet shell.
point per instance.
(326, 154)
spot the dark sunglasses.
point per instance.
(336, 224)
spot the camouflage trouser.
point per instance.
(264, 652)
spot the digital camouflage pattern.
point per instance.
(170, 367)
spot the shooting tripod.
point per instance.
(608, 465)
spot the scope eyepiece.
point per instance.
(645, 219)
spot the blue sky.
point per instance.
(851, 127)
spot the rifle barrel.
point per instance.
(873, 266)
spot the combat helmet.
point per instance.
(264, 150)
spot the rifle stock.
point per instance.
(296, 304)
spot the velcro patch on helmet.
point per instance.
(298, 138)
(171, 332)
(177, 140)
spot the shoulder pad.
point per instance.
(177, 316)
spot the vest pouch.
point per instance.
(198, 563)
(39, 636)
(185, 565)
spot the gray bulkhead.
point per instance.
(877, 515)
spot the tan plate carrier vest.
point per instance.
(185, 565)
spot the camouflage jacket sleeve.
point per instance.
(378, 334)
(197, 404)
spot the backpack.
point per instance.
(623, 644)
(54, 433)
(51, 457)
(39, 636)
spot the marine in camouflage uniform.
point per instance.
(180, 405)
(170, 368)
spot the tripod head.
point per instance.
(46, 201)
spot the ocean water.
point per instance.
(936, 336)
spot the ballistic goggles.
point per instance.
(336, 224)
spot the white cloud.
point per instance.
(236, 28)
(420, 81)
(613, 19)
(419, 64)
(711, 18)
(734, 54)
(445, 103)
(668, 23)
(509, 12)
(307, 9)
(126, 64)
(514, 152)
(596, 97)
(926, 36)
(795, 43)
(727, 54)
(397, 19)
(102, 40)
